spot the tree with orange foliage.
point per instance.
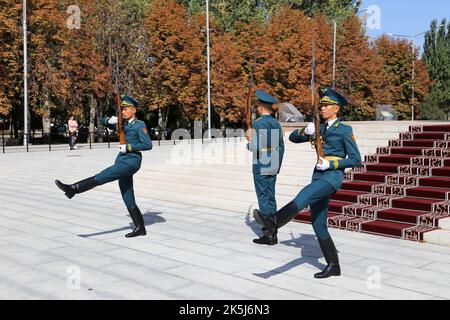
(47, 24)
(286, 56)
(229, 84)
(359, 72)
(397, 62)
(10, 60)
(89, 79)
(177, 74)
(11, 66)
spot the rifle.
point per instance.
(318, 144)
(251, 85)
(120, 131)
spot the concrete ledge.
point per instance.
(440, 237)
(444, 224)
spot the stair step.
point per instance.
(358, 186)
(428, 192)
(414, 204)
(305, 216)
(419, 143)
(399, 159)
(437, 128)
(439, 237)
(444, 172)
(337, 206)
(385, 227)
(384, 167)
(429, 136)
(346, 196)
(438, 182)
(407, 150)
(370, 176)
(400, 215)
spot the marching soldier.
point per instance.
(127, 163)
(341, 152)
(267, 145)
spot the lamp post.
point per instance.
(334, 53)
(25, 76)
(209, 69)
(334, 47)
(413, 74)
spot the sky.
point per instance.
(405, 17)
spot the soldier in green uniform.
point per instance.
(267, 145)
(127, 163)
(341, 152)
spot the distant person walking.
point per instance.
(73, 132)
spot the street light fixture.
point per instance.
(209, 69)
(25, 76)
(334, 53)
(334, 47)
(413, 47)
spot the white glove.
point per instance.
(310, 129)
(324, 166)
(113, 120)
(123, 148)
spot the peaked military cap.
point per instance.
(330, 96)
(264, 97)
(127, 101)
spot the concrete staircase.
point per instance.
(218, 174)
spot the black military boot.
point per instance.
(269, 222)
(269, 239)
(81, 186)
(258, 220)
(138, 220)
(331, 257)
(269, 228)
(286, 214)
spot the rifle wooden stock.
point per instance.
(251, 85)
(315, 105)
(248, 115)
(120, 131)
(318, 139)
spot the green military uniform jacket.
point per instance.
(137, 138)
(340, 148)
(267, 146)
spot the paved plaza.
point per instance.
(197, 247)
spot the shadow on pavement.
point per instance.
(253, 225)
(149, 219)
(310, 253)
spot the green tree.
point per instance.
(47, 25)
(338, 10)
(285, 55)
(397, 63)
(11, 84)
(437, 58)
(359, 72)
(229, 12)
(228, 82)
(116, 30)
(177, 76)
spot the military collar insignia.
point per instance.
(332, 128)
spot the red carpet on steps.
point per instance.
(402, 191)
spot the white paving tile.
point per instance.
(199, 240)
